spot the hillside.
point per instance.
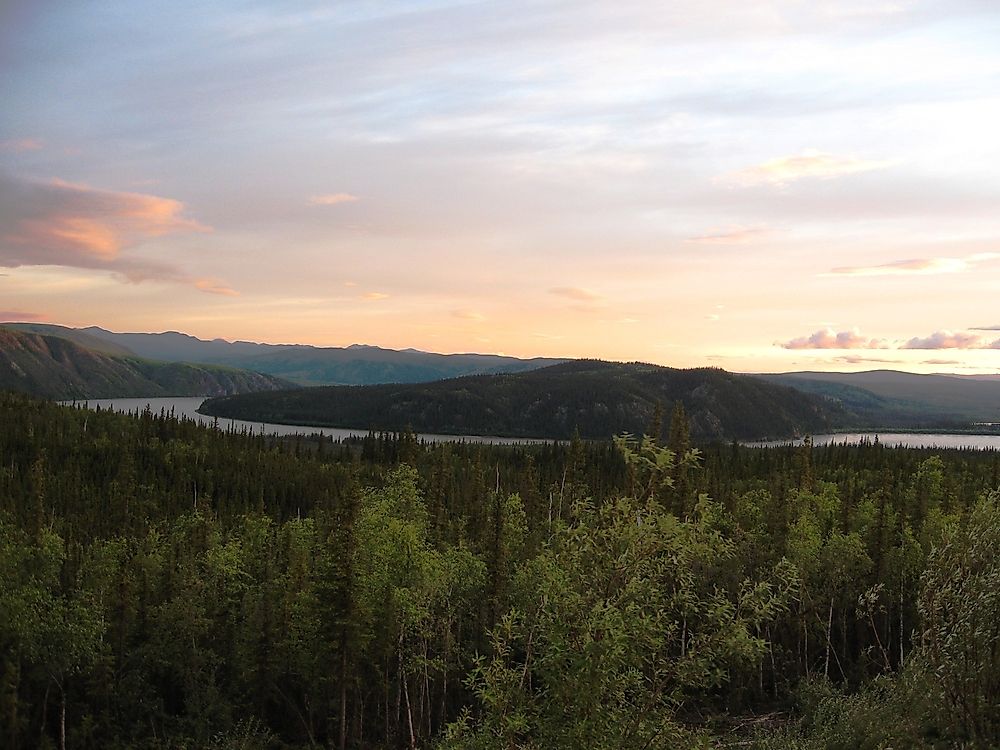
(305, 365)
(882, 398)
(597, 398)
(56, 367)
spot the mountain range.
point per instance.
(477, 393)
(301, 364)
(60, 368)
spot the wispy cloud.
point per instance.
(575, 293)
(374, 296)
(19, 145)
(19, 316)
(808, 164)
(830, 339)
(941, 362)
(332, 199)
(915, 266)
(214, 286)
(857, 359)
(467, 315)
(732, 236)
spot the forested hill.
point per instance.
(597, 398)
(55, 367)
(302, 364)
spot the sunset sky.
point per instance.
(759, 186)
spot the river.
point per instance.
(188, 407)
(896, 440)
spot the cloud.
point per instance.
(19, 316)
(575, 293)
(946, 340)
(19, 145)
(331, 199)
(374, 296)
(59, 223)
(214, 286)
(915, 266)
(732, 236)
(857, 359)
(467, 315)
(941, 362)
(829, 339)
(808, 164)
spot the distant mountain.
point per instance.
(76, 335)
(58, 367)
(357, 364)
(889, 398)
(597, 398)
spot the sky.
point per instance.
(766, 186)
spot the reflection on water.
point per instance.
(188, 407)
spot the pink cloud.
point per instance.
(829, 339)
(332, 199)
(58, 223)
(857, 359)
(61, 223)
(946, 340)
(733, 236)
(19, 145)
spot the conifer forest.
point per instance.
(169, 585)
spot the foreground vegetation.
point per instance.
(164, 584)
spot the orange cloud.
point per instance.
(58, 223)
(467, 315)
(61, 223)
(374, 296)
(829, 339)
(810, 163)
(332, 199)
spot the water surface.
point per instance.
(188, 407)
(896, 440)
